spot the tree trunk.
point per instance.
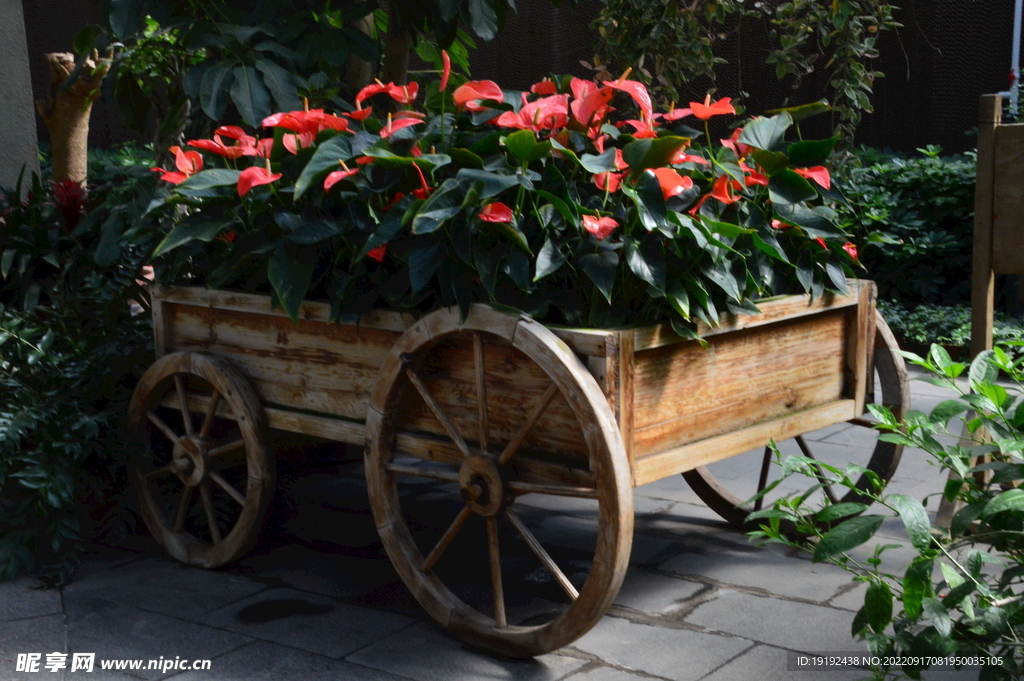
(66, 113)
(396, 51)
(358, 73)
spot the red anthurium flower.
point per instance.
(468, 95)
(360, 114)
(377, 253)
(591, 109)
(254, 177)
(723, 189)
(544, 87)
(636, 90)
(821, 242)
(231, 131)
(188, 163)
(779, 224)
(818, 173)
(599, 143)
(364, 160)
(851, 249)
(227, 237)
(547, 113)
(371, 90)
(620, 162)
(425, 189)
(682, 157)
(672, 183)
(496, 212)
(752, 176)
(609, 182)
(581, 88)
(394, 125)
(741, 150)
(706, 109)
(337, 176)
(675, 114)
(644, 128)
(446, 70)
(217, 146)
(404, 94)
(297, 142)
(410, 114)
(263, 148)
(599, 227)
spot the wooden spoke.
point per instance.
(520, 487)
(763, 480)
(204, 492)
(164, 428)
(545, 559)
(434, 473)
(531, 420)
(446, 538)
(228, 487)
(499, 593)
(186, 415)
(821, 472)
(481, 388)
(449, 427)
(169, 468)
(211, 410)
(179, 517)
(224, 449)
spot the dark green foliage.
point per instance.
(927, 203)
(69, 359)
(948, 325)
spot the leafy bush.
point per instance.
(948, 325)
(963, 593)
(926, 203)
(70, 355)
(531, 200)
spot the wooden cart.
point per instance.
(494, 407)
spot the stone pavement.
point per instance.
(318, 599)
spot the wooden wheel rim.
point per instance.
(895, 389)
(250, 418)
(611, 471)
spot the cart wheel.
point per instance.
(710, 482)
(446, 369)
(204, 433)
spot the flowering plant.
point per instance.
(423, 197)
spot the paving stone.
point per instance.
(654, 594)
(263, 661)
(852, 600)
(603, 673)
(36, 635)
(673, 487)
(767, 568)
(765, 662)
(157, 585)
(788, 624)
(120, 632)
(328, 574)
(302, 620)
(678, 654)
(424, 652)
(24, 597)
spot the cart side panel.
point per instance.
(685, 393)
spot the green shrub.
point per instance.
(70, 355)
(948, 325)
(963, 592)
(927, 203)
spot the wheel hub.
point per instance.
(482, 485)
(190, 460)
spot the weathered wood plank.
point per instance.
(983, 282)
(860, 333)
(689, 456)
(1007, 217)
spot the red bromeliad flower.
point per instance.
(851, 249)
(337, 176)
(446, 70)
(378, 253)
(818, 173)
(469, 95)
(706, 109)
(547, 113)
(599, 227)
(69, 197)
(188, 164)
(672, 183)
(496, 212)
(723, 190)
(254, 177)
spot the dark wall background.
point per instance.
(947, 54)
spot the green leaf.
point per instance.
(649, 200)
(290, 271)
(326, 157)
(679, 299)
(85, 39)
(443, 204)
(1011, 500)
(483, 18)
(767, 133)
(938, 615)
(647, 261)
(250, 95)
(315, 232)
(982, 369)
(194, 227)
(786, 187)
(208, 179)
(215, 87)
(564, 208)
(768, 243)
(603, 163)
(817, 221)
(915, 519)
(917, 583)
(721, 273)
(840, 510)
(549, 259)
(837, 276)
(601, 268)
(803, 111)
(281, 84)
(492, 183)
(725, 229)
(647, 153)
(811, 152)
(771, 161)
(847, 535)
(424, 260)
(523, 144)
(878, 606)
(946, 410)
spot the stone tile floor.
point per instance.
(318, 598)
